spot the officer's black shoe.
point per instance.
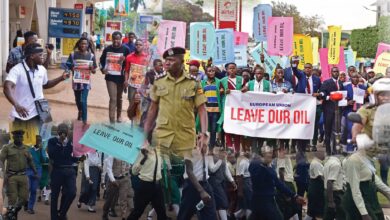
(112, 213)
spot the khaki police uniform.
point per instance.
(175, 124)
(18, 159)
(367, 113)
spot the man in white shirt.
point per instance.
(17, 89)
(244, 184)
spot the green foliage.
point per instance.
(365, 41)
(384, 29)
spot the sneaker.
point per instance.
(91, 209)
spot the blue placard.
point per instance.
(145, 19)
(65, 22)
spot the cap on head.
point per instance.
(381, 85)
(369, 70)
(194, 63)
(33, 49)
(174, 51)
(226, 65)
(17, 132)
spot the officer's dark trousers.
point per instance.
(64, 180)
(191, 197)
(265, 208)
(148, 192)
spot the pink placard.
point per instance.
(171, 34)
(325, 67)
(382, 47)
(280, 36)
(78, 131)
(240, 38)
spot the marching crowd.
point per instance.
(188, 164)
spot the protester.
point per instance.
(98, 42)
(279, 84)
(18, 159)
(38, 157)
(315, 194)
(94, 39)
(77, 62)
(230, 188)
(228, 83)
(194, 70)
(328, 106)
(308, 84)
(212, 91)
(135, 62)
(91, 46)
(18, 54)
(264, 182)
(119, 187)
(63, 173)
(129, 42)
(90, 181)
(148, 168)
(21, 95)
(114, 81)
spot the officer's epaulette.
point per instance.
(160, 76)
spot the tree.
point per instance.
(302, 24)
(365, 41)
(384, 30)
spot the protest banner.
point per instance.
(171, 34)
(114, 63)
(280, 36)
(382, 62)
(240, 56)
(79, 130)
(314, 46)
(137, 75)
(349, 58)
(68, 45)
(202, 40)
(261, 13)
(334, 44)
(224, 50)
(382, 47)
(82, 71)
(241, 38)
(270, 62)
(112, 26)
(121, 8)
(303, 49)
(120, 140)
(268, 115)
(65, 23)
(325, 67)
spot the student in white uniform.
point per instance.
(333, 185)
(244, 186)
(315, 194)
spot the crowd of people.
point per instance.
(188, 164)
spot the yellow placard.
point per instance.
(303, 48)
(334, 44)
(382, 62)
(187, 59)
(68, 45)
(314, 46)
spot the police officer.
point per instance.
(18, 159)
(63, 173)
(264, 182)
(174, 97)
(361, 199)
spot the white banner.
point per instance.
(268, 115)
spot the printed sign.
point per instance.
(325, 67)
(224, 50)
(119, 140)
(382, 62)
(111, 27)
(334, 44)
(79, 130)
(240, 55)
(280, 36)
(137, 75)
(268, 115)
(82, 71)
(303, 49)
(202, 40)
(171, 34)
(68, 45)
(261, 13)
(65, 23)
(114, 63)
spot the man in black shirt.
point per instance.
(114, 74)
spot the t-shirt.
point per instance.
(210, 91)
(22, 94)
(123, 50)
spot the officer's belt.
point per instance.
(16, 173)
